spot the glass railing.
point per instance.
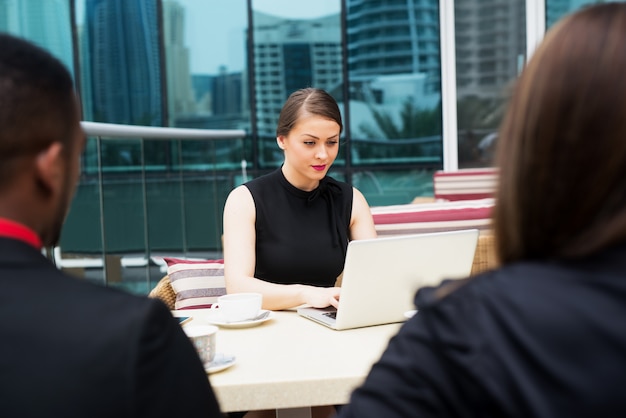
(147, 193)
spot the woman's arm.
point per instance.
(362, 223)
(240, 260)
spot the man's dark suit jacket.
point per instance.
(69, 348)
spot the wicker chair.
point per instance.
(163, 290)
(484, 259)
(485, 255)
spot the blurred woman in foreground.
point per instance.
(544, 335)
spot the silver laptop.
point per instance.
(381, 276)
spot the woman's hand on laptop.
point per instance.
(321, 297)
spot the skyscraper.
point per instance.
(290, 54)
(179, 86)
(394, 37)
(124, 61)
(394, 64)
(490, 45)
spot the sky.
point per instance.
(217, 27)
(214, 29)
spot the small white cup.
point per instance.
(203, 338)
(236, 307)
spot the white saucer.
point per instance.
(220, 362)
(217, 320)
(409, 314)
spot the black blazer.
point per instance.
(531, 339)
(69, 348)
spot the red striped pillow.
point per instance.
(196, 283)
(432, 217)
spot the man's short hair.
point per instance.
(37, 103)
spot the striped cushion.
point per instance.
(197, 284)
(465, 184)
(433, 217)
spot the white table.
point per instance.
(292, 362)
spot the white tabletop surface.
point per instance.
(291, 362)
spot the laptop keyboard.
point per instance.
(332, 315)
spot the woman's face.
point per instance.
(310, 149)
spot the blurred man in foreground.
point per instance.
(70, 348)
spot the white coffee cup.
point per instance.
(236, 307)
(203, 338)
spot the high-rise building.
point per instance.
(393, 37)
(124, 61)
(393, 64)
(227, 93)
(179, 87)
(490, 45)
(290, 54)
(219, 103)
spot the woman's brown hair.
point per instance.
(562, 143)
(308, 100)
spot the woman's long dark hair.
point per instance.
(562, 143)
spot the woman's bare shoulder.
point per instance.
(239, 199)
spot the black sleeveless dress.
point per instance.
(301, 237)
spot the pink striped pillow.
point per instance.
(196, 283)
(433, 217)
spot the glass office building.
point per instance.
(422, 86)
